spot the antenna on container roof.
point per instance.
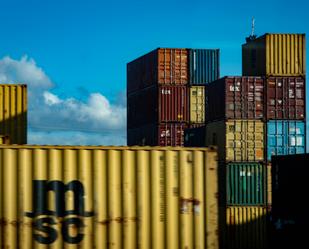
(252, 36)
(252, 27)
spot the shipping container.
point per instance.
(164, 134)
(237, 140)
(158, 104)
(13, 112)
(204, 65)
(161, 66)
(108, 197)
(246, 184)
(275, 55)
(234, 97)
(289, 208)
(247, 228)
(195, 137)
(197, 104)
(286, 98)
(285, 137)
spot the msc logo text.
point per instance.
(45, 219)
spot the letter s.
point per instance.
(42, 225)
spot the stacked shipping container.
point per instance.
(235, 111)
(166, 94)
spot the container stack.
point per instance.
(234, 114)
(166, 94)
(281, 60)
(13, 114)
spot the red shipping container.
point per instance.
(164, 134)
(158, 104)
(285, 98)
(161, 66)
(235, 98)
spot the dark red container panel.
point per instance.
(173, 104)
(165, 134)
(158, 104)
(285, 98)
(160, 66)
(235, 98)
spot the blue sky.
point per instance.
(82, 47)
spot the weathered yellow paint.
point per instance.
(275, 55)
(125, 197)
(13, 112)
(197, 104)
(246, 227)
(237, 140)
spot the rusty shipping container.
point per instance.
(13, 112)
(237, 140)
(164, 134)
(289, 209)
(286, 98)
(234, 97)
(158, 104)
(161, 66)
(197, 104)
(275, 55)
(247, 228)
(4, 140)
(108, 197)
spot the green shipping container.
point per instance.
(246, 184)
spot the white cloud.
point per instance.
(56, 120)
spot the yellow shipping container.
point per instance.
(275, 55)
(13, 112)
(246, 227)
(197, 104)
(108, 197)
(237, 140)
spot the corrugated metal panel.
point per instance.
(108, 197)
(173, 104)
(275, 55)
(197, 104)
(204, 65)
(235, 97)
(246, 184)
(13, 112)
(158, 104)
(195, 137)
(164, 134)
(289, 212)
(237, 140)
(173, 66)
(286, 98)
(285, 137)
(247, 227)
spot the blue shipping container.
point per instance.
(204, 66)
(285, 137)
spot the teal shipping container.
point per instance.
(204, 66)
(246, 184)
(285, 137)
